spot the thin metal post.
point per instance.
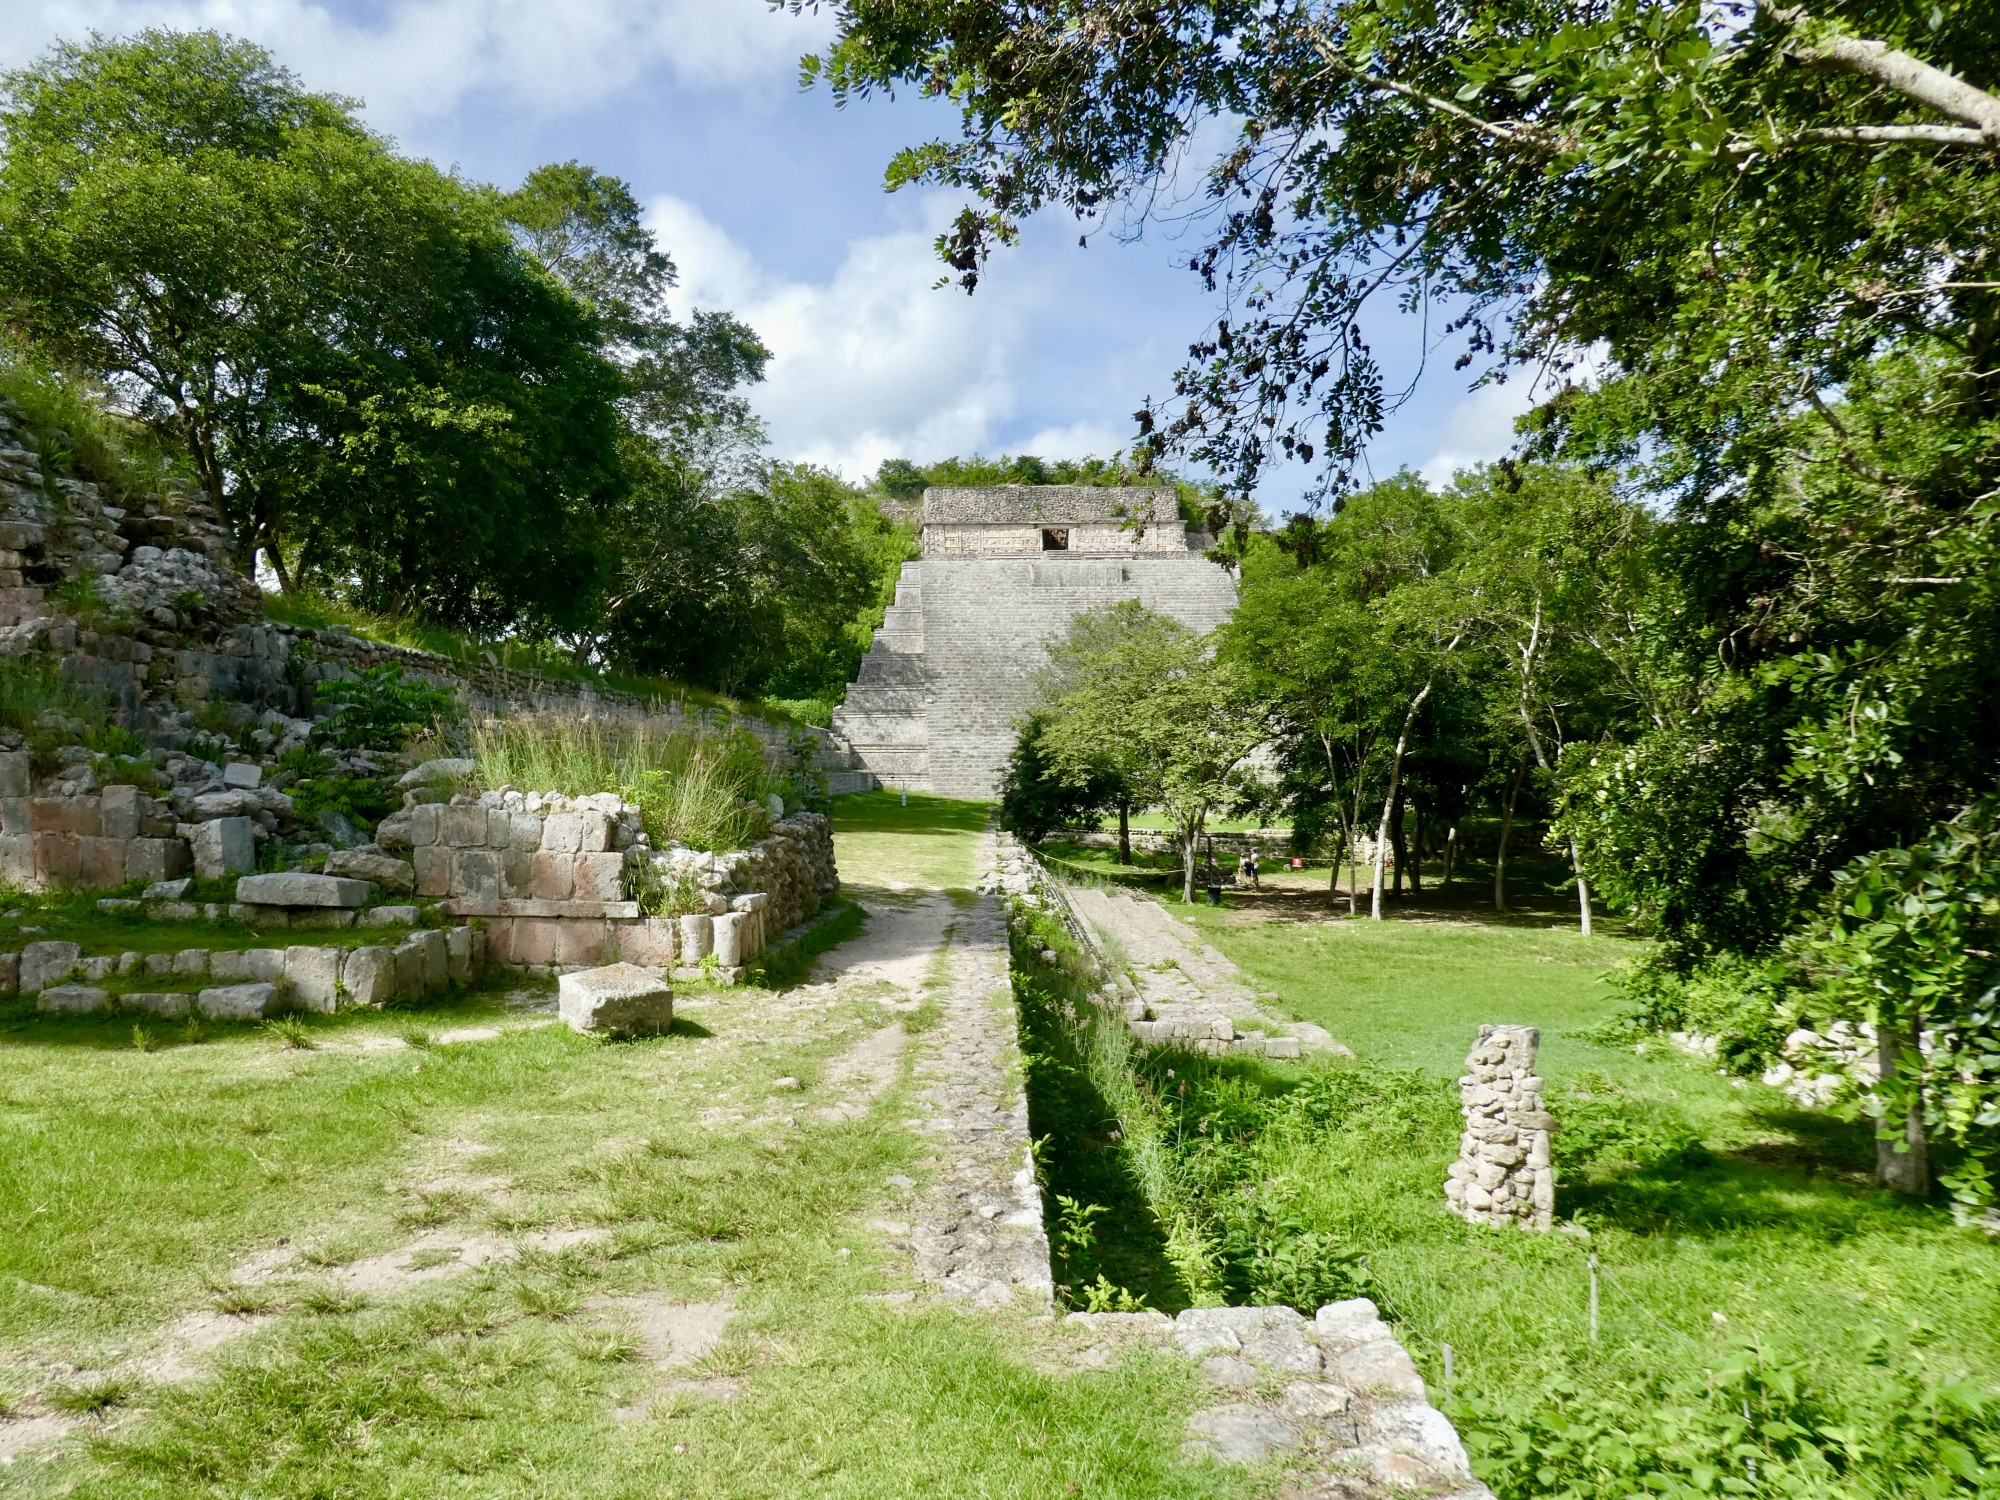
(1593, 1296)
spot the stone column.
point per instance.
(1503, 1173)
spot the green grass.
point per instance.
(136, 1180)
(1746, 1264)
(73, 917)
(928, 843)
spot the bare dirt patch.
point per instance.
(863, 1073)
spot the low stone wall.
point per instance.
(94, 841)
(556, 880)
(301, 977)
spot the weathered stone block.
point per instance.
(294, 888)
(370, 864)
(228, 966)
(72, 999)
(648, 942)
(697, 937)
(265, 964)
(368, 975)
(390, 916)
(581, 940)
(409, 957)
(462, 827)
(600, 877)
(59, 858)
(313, 977)
(534, 940)
(476, 873)
(552, 876)
(562, 833)
(433, 867)
(242, 776)
(524, 831)
(726, 936)
(424, 825)
(100, 863)
(224, 847)
(169, 1005)
(10, 973)
(191, 961)
(458, 954)
(620, 1000)
(156, 860)
(17, 860)
(119, 811)
(46, 963)
(16, 773)
(517, 868)
(238, 1002)
(437, 960)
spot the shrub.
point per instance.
(380, 708)
(74, 432)
(691, 787)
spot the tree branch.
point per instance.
(1896, 70)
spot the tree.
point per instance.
(1139, 691)
(361, 367)
(1035, 800)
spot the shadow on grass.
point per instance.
(839, 921)
(1107, 1228)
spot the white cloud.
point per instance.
(422, 59)
(874, 363)
(1479, 429)
(1080, 440)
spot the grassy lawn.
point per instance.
(439, 1222)
(879, 840)
(1763, 1309)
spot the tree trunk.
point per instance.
(1395, 797)
(1507, 832)
(1902, 1149)
(1399, 842)
(1190, 842)
(277, 560)
(1124, 832)
(1582, 889)
(1417, 854)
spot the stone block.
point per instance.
(368, 975)
(228, 966)
(242, 776)
(552, 876)
(295, 888)
(726, 938)
(191, 961)
(433, 867)
(265, 964)
(562, 833)
(10, 973)
(169, 1005)
(161, 964)
(16, 773)
(390, 916)
(534, 940)
(424, 825)
(697, 937)
(82, 816)
(462, 827)
(600, 877)
(238, 1002)
(517, 868)
(46, 963)
(458, 955)
(648, 942)
(72, 999)
(97, 968)
(373, 865)
(581, 940)
(120, 811)
(312, 975)
(409, 957)
(314, 918)
(59, 858)
(619, 1000)
(476, 873)
(157, 860)
(17, 816)
(101, 862)
(437, 959)
(223, 847)
(17, 860)
(524, 831)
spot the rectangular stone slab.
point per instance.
(619, 999)
(297, 888)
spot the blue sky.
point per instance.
(771, 202)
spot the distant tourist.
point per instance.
(1246, 868)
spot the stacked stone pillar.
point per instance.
(1503, 1174)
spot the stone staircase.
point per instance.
(884, 723)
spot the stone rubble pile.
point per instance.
(1335, 1395)
(1503, 1174)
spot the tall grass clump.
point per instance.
(703, 790)
(75, 433)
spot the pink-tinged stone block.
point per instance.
(552, 877)
(82, 816)
(600, 877)
(648, 942)
(45, 815)
(102, 862)
(534, 940)
(462, 827)
(59, 857)
(499, 938)
(580, 941)
(433, 865)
